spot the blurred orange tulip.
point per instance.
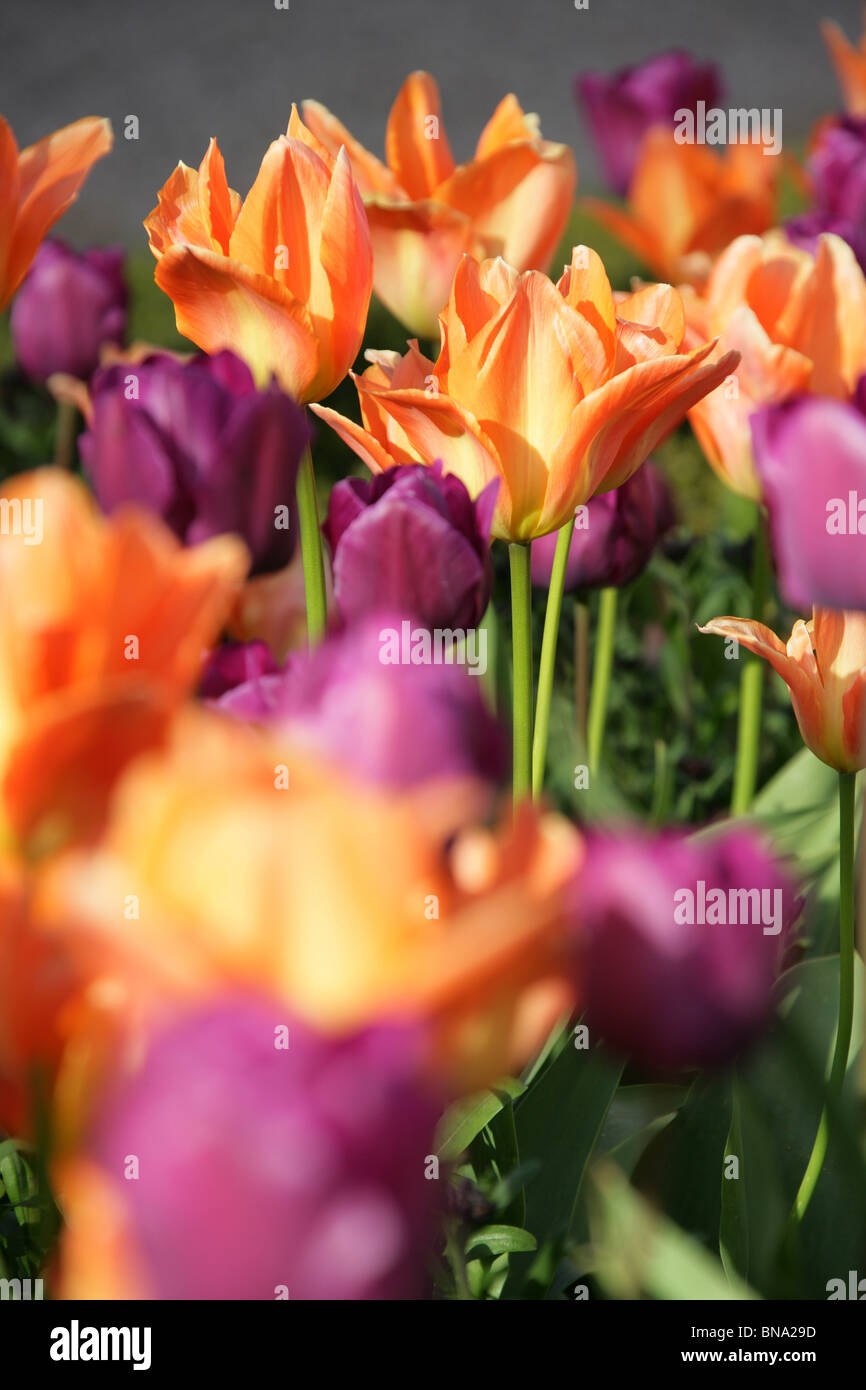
(102, 629)
(849, 61)
(512, 199)
(283, 278)
(258, 868)
(558, 390)
(799, 324)
(824, 668)
(37, 185)
(686, 203)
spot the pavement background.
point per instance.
(190, 69)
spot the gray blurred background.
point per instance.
(190, 69)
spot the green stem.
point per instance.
(601, 669)
(846, 993)
(751, 687)
(548, 656)
(521, 656)
(311, 551)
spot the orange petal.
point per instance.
(796, 664)
(417, 248)
(827, 322)
(220, 204)
(51, 173)
(850, 65)
(219, 303)
(518, 199)
(586, 289)
(508, 123)
(416, 146)
(372, 176)
(9, 187)
(614, 430)
(643, 242)
(346, 258)
(368, 448)
(278, 228)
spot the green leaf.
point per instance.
(18, 1181)
(558, 1123)
(502, 1240)
(780, 1091)
(464, 1120)
(681, 1169)
(636, 1251)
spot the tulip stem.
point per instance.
(751, 688)
(65, 435)
(311, 551)
(521, 659)
(601, 669)
(548, 656)
(839, 1064)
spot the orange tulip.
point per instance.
(799, 324)
(247, 882)
(849, 61)
(37, 185)
(824, 668)
(102, 629)
(512, 199)
(686, 203)
(556, 390)
(283, 278)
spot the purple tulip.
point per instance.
(70, 304)
(411, 538)
(198, 444)
(233, 664)
(622, 106)
(810, 454)
(268, 1170)
(837, 169)
(368, 699)
(613, 538)
(680, 944)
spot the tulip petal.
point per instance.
(417, 248)
(416, 146)
(616, 428)
(518, 199)
(828, 319)
(508, 123)
(220, 303)
(347, 261)
(850, 65)
(371, 175)
(51, 173)
(9, 187)
(277, 230)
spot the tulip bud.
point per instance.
(614, 536)
(680, 944)
(70, 305)
(412, 539)
(837, 171)
(272, 1161)
(233, 664)
(620, 107)
(198, 444)
(375, 699)
(817, 514)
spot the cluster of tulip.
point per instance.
(266, 910)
